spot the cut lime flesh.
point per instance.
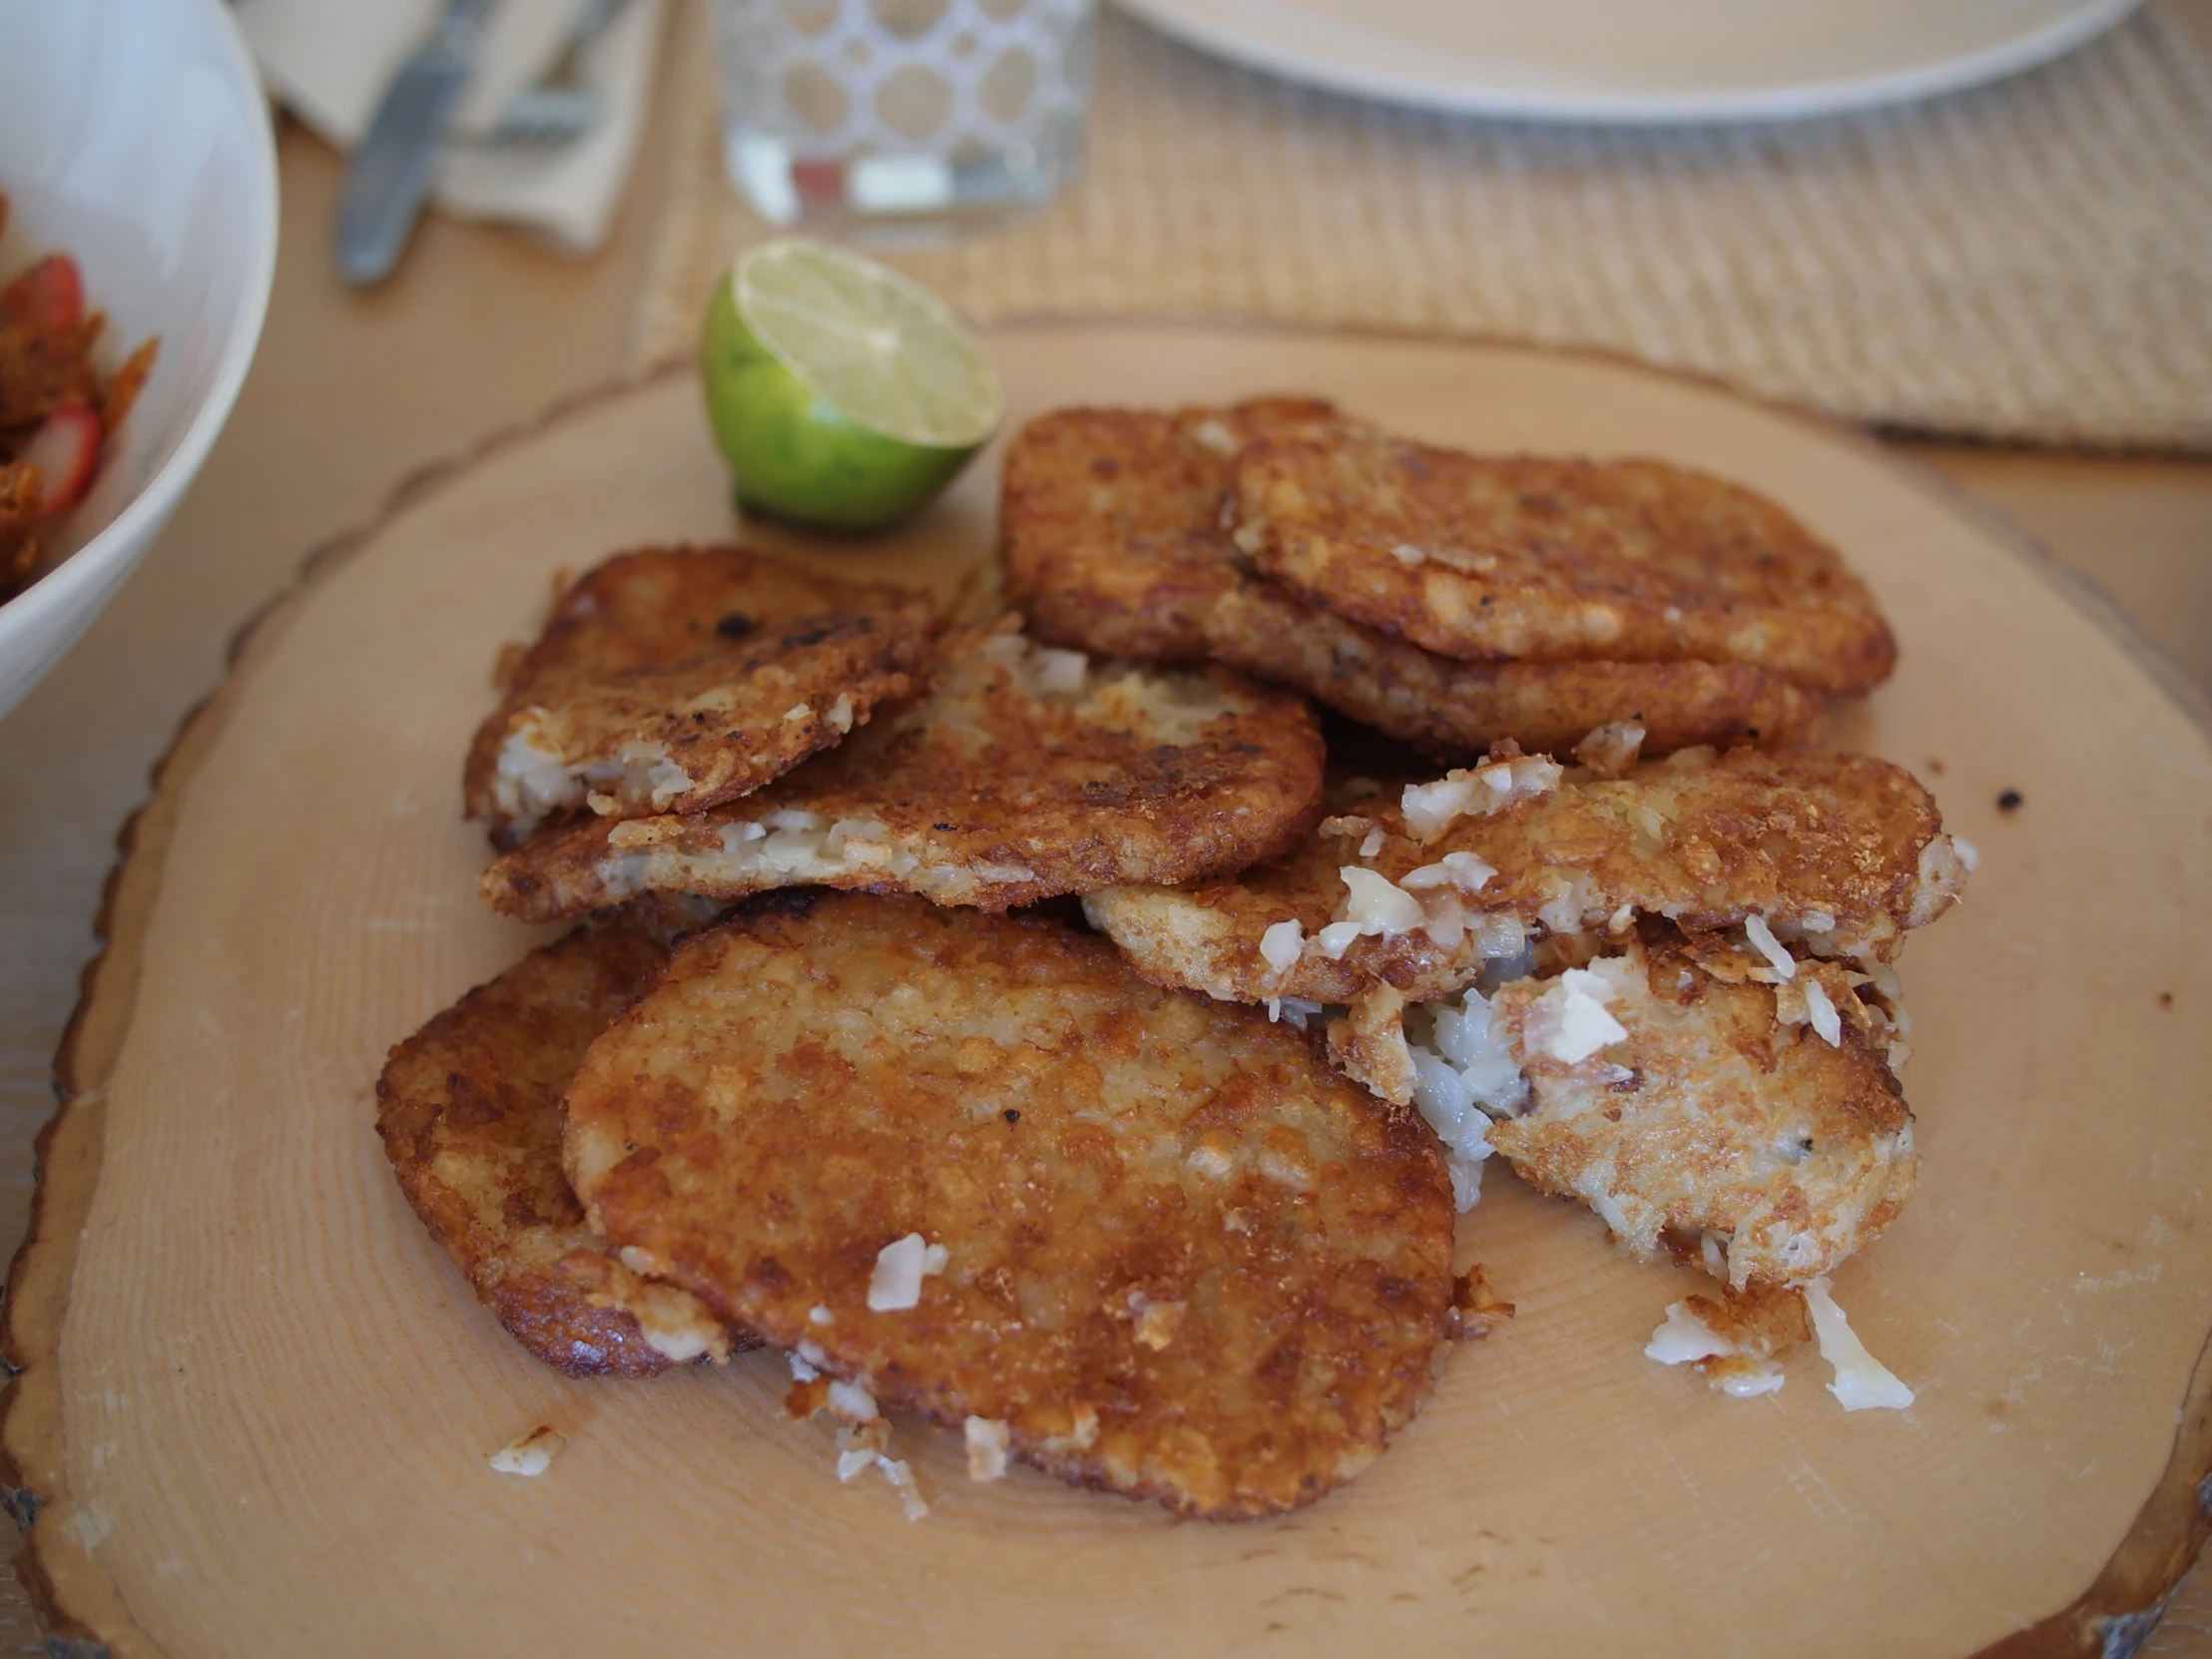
(840, 393)
(883, 351)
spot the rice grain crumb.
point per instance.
(531, 1453)
(987, 1440)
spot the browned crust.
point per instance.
(702, 653)
(1781, 835)
(1164, 1213)
(1110, 521)
(1020, 800)
(1368, 1044)
(469, 1112)
(1452, 711)
(1500, 557)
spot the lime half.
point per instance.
(840, 392)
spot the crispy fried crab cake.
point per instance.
(1114, 542)
(1489, 557)
(1164, 1250)
(1671, 1102)
(1026, 773)
(675, 679)
(470, 1110)
(1423, 889)
(1111, 521)
(1450, 709)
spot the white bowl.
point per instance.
(134, 135)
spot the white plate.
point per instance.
(1637, 60)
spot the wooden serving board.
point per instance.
(257, 1402)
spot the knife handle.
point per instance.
(389, 177)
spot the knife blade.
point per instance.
(389, 177)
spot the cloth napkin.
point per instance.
(329, 61)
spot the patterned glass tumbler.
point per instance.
(903, 120)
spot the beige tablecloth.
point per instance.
(2027, 262)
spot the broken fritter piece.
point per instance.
(1111, 521)
(973, 1166)
(1424, 890)
(1539, 559)
(676, 678)
(1734, 1340)
(470, 1110)
(1450, 709)
(1669, 1102)
(1024, 773)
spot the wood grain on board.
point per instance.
(257, 1402)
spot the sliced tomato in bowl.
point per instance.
(65, 449)
(47, 298)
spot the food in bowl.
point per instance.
(56, 407)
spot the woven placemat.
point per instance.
(2028, 262)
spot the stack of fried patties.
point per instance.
(1157, 1193)
(928, 1134)
(1664, 987)
(1449, 600)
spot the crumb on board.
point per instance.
(987, 1443)
(531, 1453)
(1477, 1307)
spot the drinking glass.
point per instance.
(903, 120)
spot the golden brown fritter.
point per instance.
(1846, 850)
(682, 677)
(1111, 521)
(469, 1109)
(1026, 773)
(1495, 557)
(1713, 1113)
(1452, 711)
(1181, 1260)
(1114, 542)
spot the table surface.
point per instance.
(351, 394)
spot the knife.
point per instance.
(388, 179)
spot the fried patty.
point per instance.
(1026, 773)
(1111, 521)
(1114, 542)
(1537, 559)
(1721, 1112)
(676, 678)
(469, 1109)
(1181, 1258)
(1450, 709)
(1843, 849)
